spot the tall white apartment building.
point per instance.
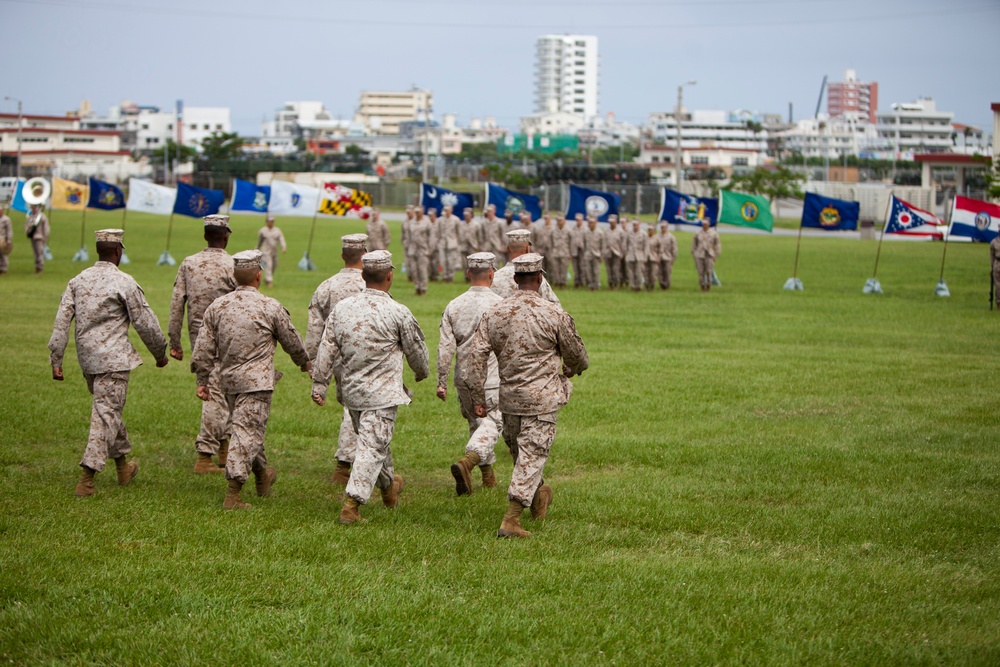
(566, 74)
(382, 112)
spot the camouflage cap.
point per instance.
(377, 260)
(481, 260)
(217, 221)
(247, 259)
(110, 236)
(529, 263)
(354, 241)
(519, 236)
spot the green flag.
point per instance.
(743, 210)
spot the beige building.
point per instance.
(381, 112)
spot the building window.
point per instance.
(218, 126)
(145, 126)
(741, 161)
(699, 159)
(207, 127)
(194, 126)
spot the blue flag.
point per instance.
(682, 209)
(197, 202)
(17, 201)
(592, 202)
(828, 213)
(105, 195)
(431, 196)
(505, 199)
(250, 197)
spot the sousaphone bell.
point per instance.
(36, 191)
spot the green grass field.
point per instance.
(750, 476)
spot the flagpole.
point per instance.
(878, 251)
(947, 235)
(798, 244)
(124, 259)
(83, 228)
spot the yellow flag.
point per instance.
(68, 195)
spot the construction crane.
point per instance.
(820, 100)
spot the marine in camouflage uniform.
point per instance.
(493, 235)
(379, 237)
(6, 238)
(409, 260)
(561, 244)
(635, 256)
(421, 236)
(201, 279)
(577, 249)
(706, 247)
(330, 292)
(537, 350)
(366, 338)
(240, 332)
(458, 324)
(542, 235)
(616, 238)
(269, 239)
(36, 227)
(104, 301)
(448, 244)
(652, 257)
(519, 243)
(668, 253)
(594, 250)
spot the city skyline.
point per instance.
(479, 62)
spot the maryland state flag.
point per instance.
(69, 196)
(337, 200)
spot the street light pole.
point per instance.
(677, 124)
(20, 124)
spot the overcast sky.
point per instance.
(477, 56)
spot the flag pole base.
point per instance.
(715, 279)
(941, 289)
(872, 286)
(47, 253)
(794, 285)
(81, 256)
(124, 259)
(166, 260)
(306, 264)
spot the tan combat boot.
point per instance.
(489, 478)
(205, 465)
(233, 500)
(223, 452)
(540, 503)
(265, 478)
(126, 470)
(390, 496)
(511, 524)
(462, 472)
(349, 512)
(85, 487)
(342, 474)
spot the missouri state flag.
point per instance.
(69, 195)
(105, 196)
(431, 196)
(974, 219)
(505, 199)
(249, 196)
(197, 202)
(340, 200)
(905, 218)
(592, 202)
(819, 212)
(744, 210)
(682, 209)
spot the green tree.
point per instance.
(772, 183)
(185, 154)
(221, 146)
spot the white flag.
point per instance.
(293, 199)
(149, 197)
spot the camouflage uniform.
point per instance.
(104, 301)
(421, 236)
(577, 246)
(653, 258)
(614, 254)
(448, 247)
(542, 235)
(6, 240)
(494, 240)
(268, 241)
(705, 247)
(434, 251)
(470, 236)
(668, 253)
(995, 265)
(594, 243)
(378, 233)
(363, 348)
(504, 285)
(458, 325)
(241, 330)
(406, 237)
(39, 237)
(635, 257)
(559, 261)
(201, 279)
(532, 340)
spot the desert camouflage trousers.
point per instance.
(593, 272)
(269, 262)
(705, 267)
(666, 273)
(250, 412)
(108, 437)
(215, 424)
(529, 439)
(347, 439)
(373, 461)
(579, 270)
(483, 432)
(560, 267)
(634, 269)
(614, 267)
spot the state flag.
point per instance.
(105, 196)
(905, 218)
(432, 196)
(339, 200)
(819, 212)
(249, 196)
(682, 209)
(17, 199)
(505, 199)
(69, 195)
(293, 199)
(592, 202)
(197, 202)
(743, 210)
(149, 197)
(974, 219)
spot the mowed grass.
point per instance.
(750, 476)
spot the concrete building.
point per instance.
(699, 161)
(604, 131)
(381, 112)
(147, 128)
(740, 129)
(552, 122)
(852, 100)
(200, 123)
(825, 137)
(567, 74)
(912, 128)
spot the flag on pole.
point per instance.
(339, 200)
(17, 200)
(149, 197)
(293, 199)
(248, 196)
(198, 202)
(592, 202)
(105, 195)
(69, 195)
(905, 218)
(741, 210)
(505, 199)
(431, 196)
(974, 219)
(682, 209)
(819, 212)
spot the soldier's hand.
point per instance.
(177, 354)
(567, 371)
(480, 411)
(202, 392)
(57, 373)
(160, 363)
(318, 400)
(442, 393)
(307, 368)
